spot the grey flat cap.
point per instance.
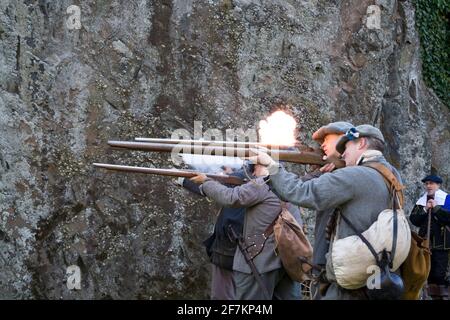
(339, 127)
(364, 130)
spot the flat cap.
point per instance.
(432, 178)
(338, 127)
(364, 130)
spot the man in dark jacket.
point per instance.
(262, 207)
(219, 247)
(437, 203)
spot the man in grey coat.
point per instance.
(359, 191)
(327, 136)
(263, 206)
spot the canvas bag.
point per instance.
(351, 257)
(292, 246)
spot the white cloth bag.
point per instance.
(352, 260)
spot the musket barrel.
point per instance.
(181, 148)
(170, 172)
(301, 157)
(239, 144)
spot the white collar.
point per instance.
(439, 197)
(368, 155)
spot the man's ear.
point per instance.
(362, 143)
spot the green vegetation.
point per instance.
(433, 23)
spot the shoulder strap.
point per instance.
(269, 229)
(391, 181)
(396, 189)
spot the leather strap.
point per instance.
(396, 189)
(389, 178)
(254, 244)
(241, 243)
(394, 238)
(269, 229)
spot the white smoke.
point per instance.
(211, 164)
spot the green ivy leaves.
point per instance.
(433, 24)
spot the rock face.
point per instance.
(146, 68)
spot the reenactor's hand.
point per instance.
(199, 178)
(431, 204)
(261, 157)
(328, 167)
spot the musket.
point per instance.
(237, 144)
(171, 173)
(295, 156)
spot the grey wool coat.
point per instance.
(320, 248)
(262, 208)
(359, 191)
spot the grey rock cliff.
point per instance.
(146, 68)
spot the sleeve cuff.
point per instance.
(274, 167)
(200, 188)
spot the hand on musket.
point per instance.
(328, 167)
(199, 178)
(262, 158)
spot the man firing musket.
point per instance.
(277, 135)
(259, 275)
(258, 270)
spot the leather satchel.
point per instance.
(416, 267)
(291, 245)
